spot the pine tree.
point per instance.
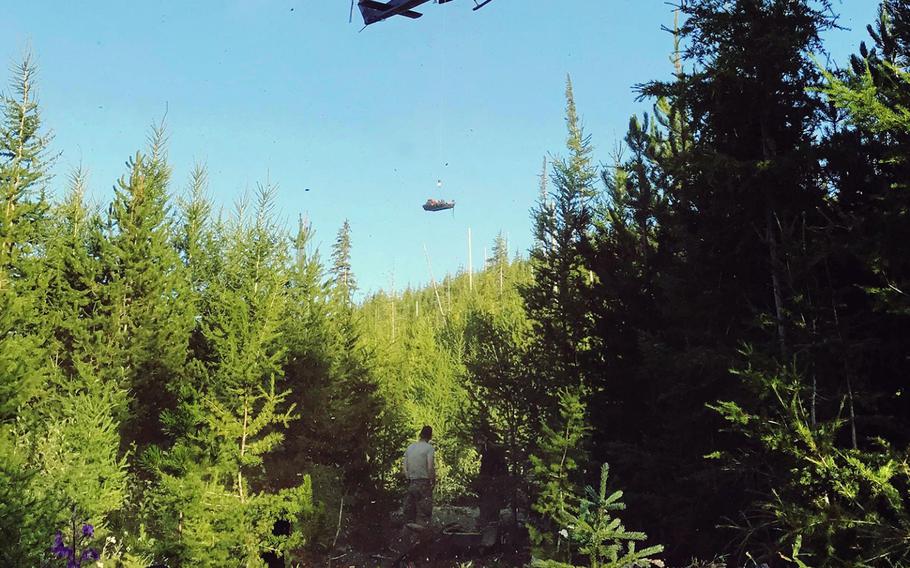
(701, 251)
(23, 221)
(502, 390)
(500, 255)
(145, 288)
(602, 539)
(873, 192)
(24, 365)
(554, 472)
(562, 224)
(207, 482)
(342, 275)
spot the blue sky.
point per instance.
(288, 91)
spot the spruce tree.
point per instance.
(700, 251)
(74, 274)
(874, 179)
(211, 481)
(628, 256)
(145, 292)
(601, 538)
(831, 505)
(500, 256)
(194, 241)
(562, 225)
(342, 276)
(826, 425)
(554, 472)
(24, 367)
(248, 298)
(81, 408)
(23, 222)
(347, 432)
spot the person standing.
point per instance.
(420, 470)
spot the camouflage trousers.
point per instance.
(418, 502)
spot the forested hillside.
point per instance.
(714, 319)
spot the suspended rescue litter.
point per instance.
(438, 205)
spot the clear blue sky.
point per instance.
(287, 90)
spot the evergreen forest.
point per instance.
(703, 360)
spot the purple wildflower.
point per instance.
(58, 542)
(90, 555)
(59, 549)
(88, 530)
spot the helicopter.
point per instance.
(374, 11)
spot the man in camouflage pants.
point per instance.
(419, 468)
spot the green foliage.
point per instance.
(348, 435)
(21, 517)
(554, 472)
(206, 502)
(871, 160)
(562, 221)
(600, 537)
(433, 366)
(502, 389)
(77, 452)
(874, 91)
(23, 221)
(23, 174)
(845, 507)
(826, 430)
(24, 364)
(146, 316)
(207, 524)
(342, 275)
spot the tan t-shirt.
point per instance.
(417, 458)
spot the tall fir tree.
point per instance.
(24, 367)
(554, 472)
(711, 257)
(196, 241)
(562, 223)
(629, 382)
(82, 409)
(148, 315)
(832, 423)
(23, 223)
(211, 485)
(503, 396)
(344, 284)
(500, 256)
